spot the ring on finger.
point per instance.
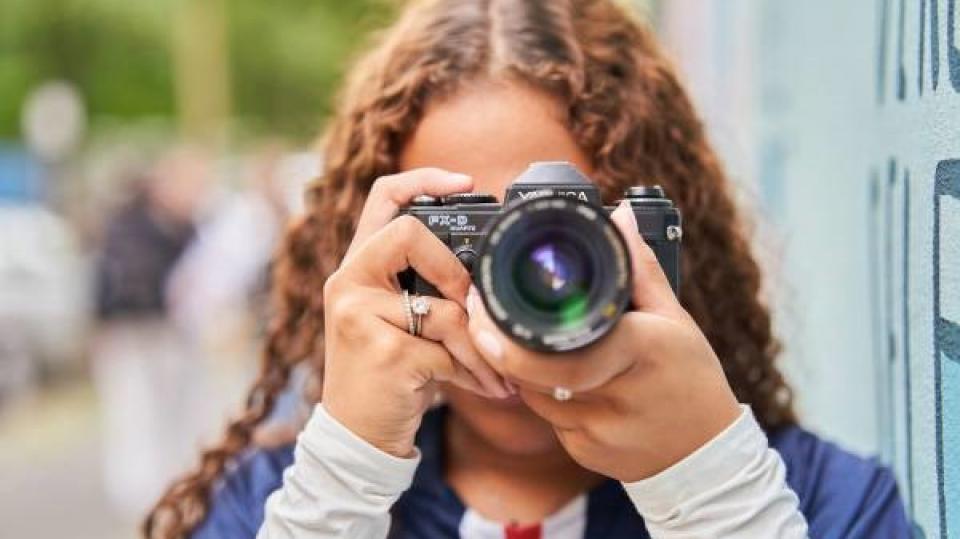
(562, 394)
(408, 312)
(420, 307)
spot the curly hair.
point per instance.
(624, 107)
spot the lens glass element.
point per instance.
(554, 277)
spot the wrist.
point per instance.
(399, 445)
(400, 450)
(697, 432)
(720, 458)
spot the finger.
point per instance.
(389, 193)
(580, 370)
(465, 379)
(407, 243)
(571, 414)
(651, 288)
(446, 323)
(640, 336)
(427, 361)
(431, 362)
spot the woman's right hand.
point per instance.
(378, 379)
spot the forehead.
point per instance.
(492, 132)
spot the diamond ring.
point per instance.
(420, 306)
(408, 312)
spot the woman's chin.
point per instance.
(507, 425)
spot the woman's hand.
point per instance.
(644, 397)
(379, 379)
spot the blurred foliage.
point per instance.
(285, 56)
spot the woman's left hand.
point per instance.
(644, 397)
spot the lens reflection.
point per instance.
(553, 277)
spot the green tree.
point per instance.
(285, 57)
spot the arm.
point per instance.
(650, 406)
(734, 486)
(357, 454)
(338, 486)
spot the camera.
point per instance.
(552, 268)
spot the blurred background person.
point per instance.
(217, 291)
(153, 396)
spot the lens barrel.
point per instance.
(554, 273)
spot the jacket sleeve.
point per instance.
(338, 486)
(733, 486)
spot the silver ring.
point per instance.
(420, 307)
(408, 311)
(561, 394)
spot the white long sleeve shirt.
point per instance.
(341, 486)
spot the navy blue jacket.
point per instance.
(841, 495)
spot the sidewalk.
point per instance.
(51, 471)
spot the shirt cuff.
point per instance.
(375, 476)
(715, 463)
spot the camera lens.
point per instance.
(553, 276)
(554, 273)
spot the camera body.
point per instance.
(558, 200)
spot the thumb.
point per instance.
(651, 288)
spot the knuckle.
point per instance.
(381, 187)
(407, 223)
(442, 317)
(633, 336)
(455, 316)
(575, 441)
(390, 347)
(601, 431)
(645, 250)
(404, 229)
(652, 269)
(346, 311)
(460, 278)
(621, 406)
(331, 287)
(591, 433)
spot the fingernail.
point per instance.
(490, 346)
(459, 178)
(472, 298)
(510, 387)
(630, 216)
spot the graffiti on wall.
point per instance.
(890, 280)
(946, 278)
(928, 54)
(935, 46)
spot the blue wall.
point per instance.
(841, 123)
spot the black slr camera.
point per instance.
(550, 265)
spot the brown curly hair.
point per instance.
(625, 108)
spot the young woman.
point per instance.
(640, 434)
